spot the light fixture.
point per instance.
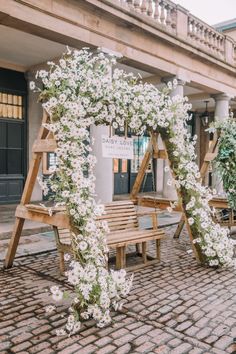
(205, 117)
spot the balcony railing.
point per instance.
(179, 22)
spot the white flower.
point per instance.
(166, 168)
(50, 308)
(54, 289)
(60, 332)
(190, 221)
(32, 85)
(67, 257)
(83, 245)
(169, 182)
(81, 94)
(57, 295)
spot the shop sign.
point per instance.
(117, 147)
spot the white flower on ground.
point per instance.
(50, 308)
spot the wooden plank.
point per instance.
(132, 238)
(210, 156)
(118, 215)
(118, 203)
(59, 219)
(154, 137)
(153, 202)
(134, 241)
(161, 154)
(211, 151)
(44, 145)
(44, 210)
(219, 203)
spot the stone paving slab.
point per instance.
(175, 307)
(31, 244)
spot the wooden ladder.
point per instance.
(44, 143)
(154, 152)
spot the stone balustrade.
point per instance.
(206, 37)
(178, 21)
(162, 11)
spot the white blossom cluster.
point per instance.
(82, 90)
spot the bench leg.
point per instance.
(120, 257)
(144, 252)
(158, 249)
(138, 249)
(61, 262)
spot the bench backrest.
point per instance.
(121, 215)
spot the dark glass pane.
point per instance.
(3, 134)
(14, 162)
(3, 166)
(14, 135)
(3, 190)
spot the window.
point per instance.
(11, 106)
(140, 147)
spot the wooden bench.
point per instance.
(123, 223)
(224, 215)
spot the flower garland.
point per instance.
(79, 91)
(225, 161)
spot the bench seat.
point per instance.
(122, 219)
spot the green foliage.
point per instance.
(225, 161)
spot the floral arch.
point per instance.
(79, 91)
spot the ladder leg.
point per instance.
(61, 262)
(14, 242)
(179, 227)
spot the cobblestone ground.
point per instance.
(174, 307)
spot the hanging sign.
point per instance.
(117, 147)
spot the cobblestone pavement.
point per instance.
(175, 307)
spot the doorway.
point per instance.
(121, 176)
(12, 135)
(125, 171)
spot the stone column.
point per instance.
(221, 106)
(221, 112)
(179, 89)
(104, 167)
(35, 114)
(170, 191)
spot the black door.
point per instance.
(12, 135)
(140, 148)
(121, 176)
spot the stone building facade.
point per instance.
(158, 39)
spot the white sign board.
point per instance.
(117, 147)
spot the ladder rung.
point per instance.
(44, 145)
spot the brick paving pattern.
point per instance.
(174, 307)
